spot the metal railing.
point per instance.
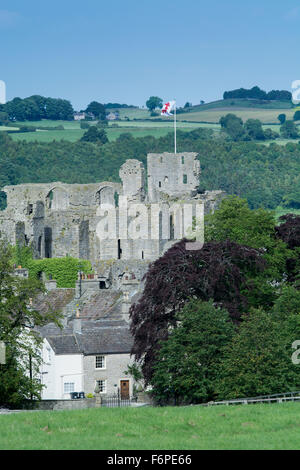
(274, 398)
(114, 401)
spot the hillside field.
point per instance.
(139, 122)
(240, 427)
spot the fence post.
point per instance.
(98, 396)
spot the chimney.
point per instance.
(126, 303)
(77, 323)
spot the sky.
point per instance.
(127, 50)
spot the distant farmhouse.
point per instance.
(79, 116)
(113, 116)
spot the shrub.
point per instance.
(84, 125)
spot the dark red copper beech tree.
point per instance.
(221, 271)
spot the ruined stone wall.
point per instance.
(175, 175)
(78, 220)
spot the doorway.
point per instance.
(124, 385)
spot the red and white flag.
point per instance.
(167, 108)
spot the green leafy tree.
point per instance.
(3, 118)
(281, 118)
(97, 109)
(258, 359)
(188, 362)
(233, 126)
(254, 129)
(154, 102)
(288, 130)
(234, 220)
(18, 377)
(270, 134)
(95, 135)
(297, 116)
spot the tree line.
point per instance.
(36, 107)
(267, 176)
(252, 129)
(256, 93)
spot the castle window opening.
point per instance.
(159, 184)
(29, 209)
(48, 242)
(49, 199)
(116, 197)
(40, 245)
(171, 227)
(119, 249)
(102, 285)
(3, 201)
(184, 179)
(182, 159)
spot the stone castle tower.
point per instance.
(131, 223)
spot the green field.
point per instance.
(73, 135)
(139, 123)
(261, 426)
(73, 132)
(267, 112)
(214, 115)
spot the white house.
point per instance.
(94, 348)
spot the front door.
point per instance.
(124, 389)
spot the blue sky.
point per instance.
(126, 50)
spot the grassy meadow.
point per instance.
(139, 123)
(240, 427)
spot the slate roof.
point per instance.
(104, 339)
(103, 329)
(54, 300)
(64, 344)
(103, 304)
(107, 340)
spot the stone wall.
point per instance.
(61, 219)
(78, 404)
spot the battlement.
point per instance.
(176, 175)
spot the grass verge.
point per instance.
(261, 426)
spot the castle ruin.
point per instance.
(117, 224)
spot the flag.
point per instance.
(167, 108)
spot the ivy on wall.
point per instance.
(63, 270)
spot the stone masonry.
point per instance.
(136, 221)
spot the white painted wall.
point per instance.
(58, 369)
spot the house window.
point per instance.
(102, 385)
(49, 355)
(100, 362)
(69, 387)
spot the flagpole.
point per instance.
(175, 127)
